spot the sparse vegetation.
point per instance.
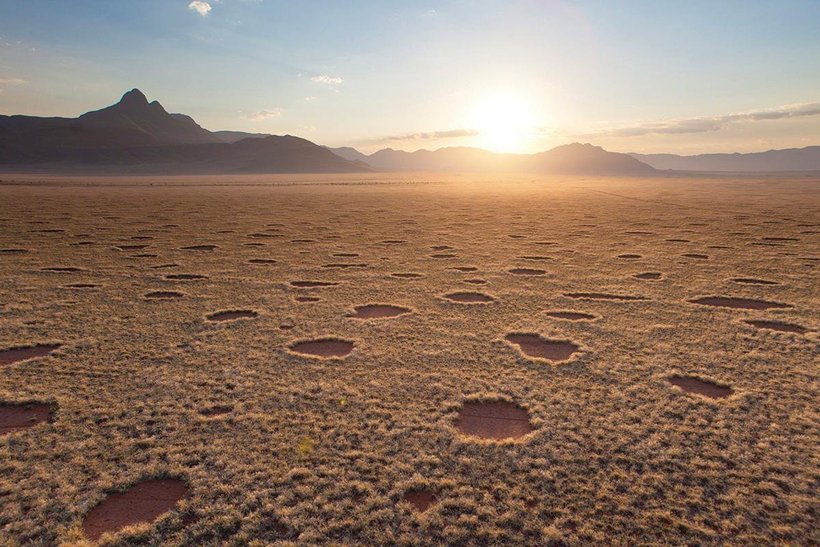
(143, 383)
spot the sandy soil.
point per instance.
(180, 311)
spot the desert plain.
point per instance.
(409, 359)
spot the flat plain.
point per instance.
(409, 360)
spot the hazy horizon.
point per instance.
(522, 76)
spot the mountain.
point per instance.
(576, 158)
(349, 153)
(236, 136)
(792, 159)
(136, 136)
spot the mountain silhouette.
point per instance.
(790, 159)
(575, 158)
(137, 136)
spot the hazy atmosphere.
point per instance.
(517, 76)
(409, 273)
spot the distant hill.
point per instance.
(134, 135)
(791, 159)
(236, 136)
(576, 158)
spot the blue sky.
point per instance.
(519, 75)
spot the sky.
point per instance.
(508, 75)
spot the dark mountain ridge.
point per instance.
(138, 136)
(790, 159)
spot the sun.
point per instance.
(504, 122)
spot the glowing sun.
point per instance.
(504, 122)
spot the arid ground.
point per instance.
(574, 361)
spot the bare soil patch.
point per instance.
(144, 502)
(313, 284)
(162, 295)
(739, 303)
(469, 297)
(17, 416)
(378, 311)
(571, 315)
(777, 325)
(753, 281)
(232, 315)
(602, 296)
(527, 271)
(493, 420)
(420, 500)
(24, 353)
(323, 347)
(701, 387)
(537, 347)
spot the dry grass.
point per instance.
(324, 450)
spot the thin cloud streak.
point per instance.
(430, 135)
(262, 115)
(707, 124)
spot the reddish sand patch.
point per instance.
(648, 275)
(216, 410)
(695, 255)
(440, 248)
(261, 261)
(164, 294)
(700, 387)
(142, 503)
(345, 265)
(326, 348)
(469, 297)
(199, 248)
(62, 269)
(527, 271)
(493, 420)
(24, 353)
(533, 345)
(629, 256)
(231, 315)
(739, 303)
(752, 281)
(14, 417)
(534, 257)
(312, 284)
(602, 296)
(571, 315)
(420, 500)
(407, 275)
(777, 325)
(185, 277)
(475, 281)
(131, 247)
(378, 311)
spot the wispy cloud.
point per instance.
(11, 81)
(325, 79)
(262, 115)
(706, 124)
(426, 136)
(200, 6)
